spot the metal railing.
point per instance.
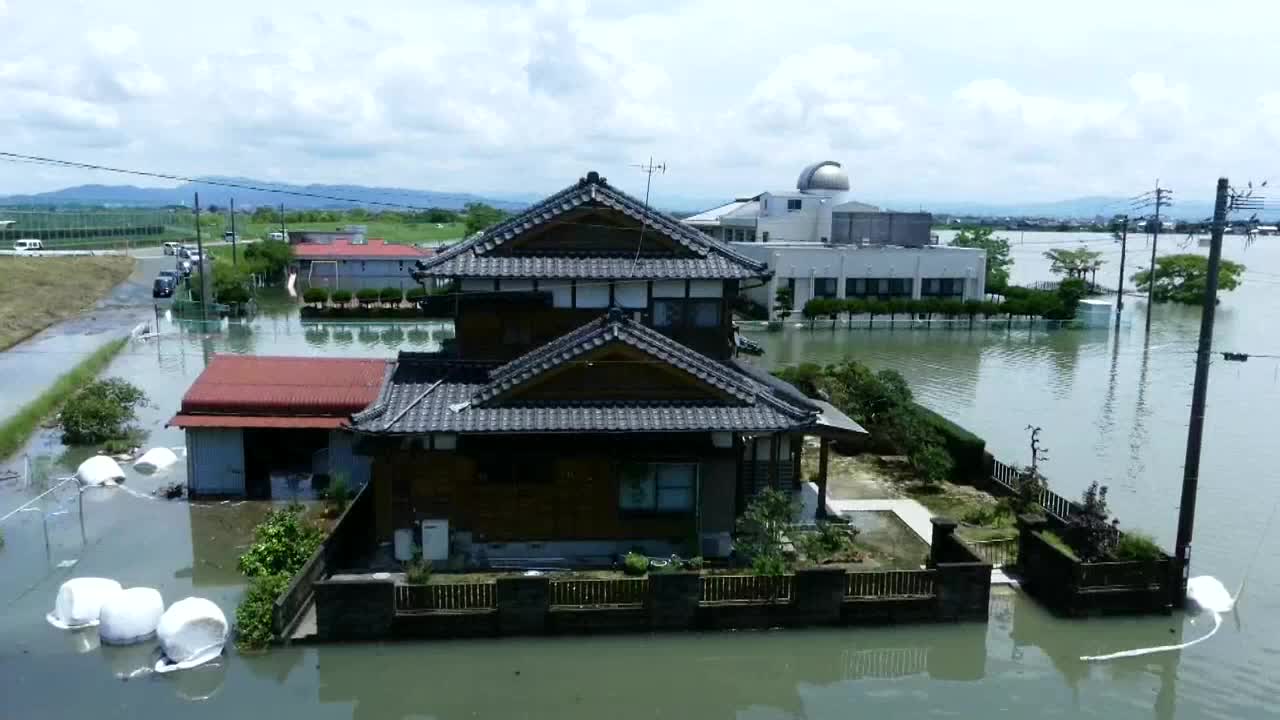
(622, 592)
(1011, 478)
(445, 597)
(723, 589)
(1001, 552)
(882, 584)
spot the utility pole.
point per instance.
(649, 169)
(1195, 431)
(282, 230)
(234, 261)
(1161, 199)
(201, 265)
(1124, 238)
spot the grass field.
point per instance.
(404, 233)
(15, 430)
(36, 292)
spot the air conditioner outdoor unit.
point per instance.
(435, 540)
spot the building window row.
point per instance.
(942, 287)
(681, 313)
(878, 287)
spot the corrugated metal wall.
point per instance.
(215, 462)
(342, 458)
(881, 228)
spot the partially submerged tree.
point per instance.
(102, 411)
(998, 260)
(1181, 278)
(1074, 263)
(1091, 533)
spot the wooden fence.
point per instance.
(877, 585)
(446, 597)
(621, 592)
(999, 552)
(724, 589)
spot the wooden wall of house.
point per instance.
(505, 331)
(618, 373)
(564, 488)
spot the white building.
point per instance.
(821, 243)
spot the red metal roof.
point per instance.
(242, 387)
(342, 248)
(257, 421)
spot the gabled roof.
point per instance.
(614, 327)
(238, 389)
(426, 394)
(703, 256)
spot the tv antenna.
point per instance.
(648, 169)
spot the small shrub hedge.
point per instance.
(253, 616)
(635, 564)
(340, 297)
(368, 296)
(415, 294)
(1137, 546)
(391, 295)
(966, 449)
(315, 296)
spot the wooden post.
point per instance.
(823, 446)
(775, 452)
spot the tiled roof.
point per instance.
(342, 248)
(248, 385)
(615, 327)
(705, 257)
(426, 394)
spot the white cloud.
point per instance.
(512, 96)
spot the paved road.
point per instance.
(158, 252)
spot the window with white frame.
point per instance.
(657, 487)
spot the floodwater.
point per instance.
(1112, 408)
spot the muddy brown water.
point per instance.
(1112, 408)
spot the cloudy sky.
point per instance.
(932, 100)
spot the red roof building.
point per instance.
(341, 248)
(245, 391)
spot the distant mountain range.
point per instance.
(132, 196)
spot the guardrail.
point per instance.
(997, 552)
(622, 592)
(445, 597)
(881, 584)
(723, 589)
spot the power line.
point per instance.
(217, 183)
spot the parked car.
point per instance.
(171, 274)
(229, 236)
(277, 235)
(28, 245)
(171, 248)
(163, 287)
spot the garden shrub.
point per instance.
(282, 544)
(966, 449)
(367, 296)
(254, 615)
(100, 411)
(340, 297)
(635, 564)
(1137, 546)
(1090, 532)
(315, 296)
(762, 528)
(932, 464)
(831, 541)
(338, 495)
(418, 571)
(415, 294)
(390, 295)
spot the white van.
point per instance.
(171, 248)
(277, 235)
(26, 246)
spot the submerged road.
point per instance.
(29, 367)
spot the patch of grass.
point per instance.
(36, 292)
(1057, 542)
(15, 431)
(1137, 546)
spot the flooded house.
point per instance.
(275, 427)
(590, 403)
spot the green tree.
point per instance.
(1181, 278)
(853, 306)
(1074, 263)
(762, 530)
(783, 301)
(932, 464)
(481, 216)
(998, 260)
(282, 543)
(317, 296)
(101, 411)
(267, 258)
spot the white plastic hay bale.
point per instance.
(192, 631)
(1208, 593)
(154, 460)
(99, 470)
(79, 602)
(130, 616)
